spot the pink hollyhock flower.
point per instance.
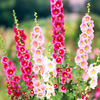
(40, 94)
(92, 71)
(19, 54)
(34, 44)
(27, 56)
(85, 56)
(58, 69)
(16, 79)
(87, 48)
(92, 56)
(39, 60)
(60, 17)
(89, 31)
(85, 77)
(58, 25)
(38, 52)
(10, 72)
(83, 26)
(54, 55)
(4, 59)
(35, 90)
(55, 12)
(58, 4)
(63, 89)
(32, 37)
(87, 18)
(50, 88)
(78, 59)
(48, 95)
(42, 87)
(55, 86)
(30, 84)
(24, 63)
(36, 69)
(22, 49)
(28, 70)
(57, 45)
(54, 73)
(40, 39)
(63, 81)
(46, 76)
(83, 64)
(80, 51)
(68, 69)
(36, 83)
(58, 60)
(84, 35)
(31, 92)
(37, 29)
(81, 43)
(5, 66)
(93, 83)
(64, 75)
(22, 70)
(91, 24)
(60, 38)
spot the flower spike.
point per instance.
(88, 7)
(35, 15)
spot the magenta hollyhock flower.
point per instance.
(10, 72)
(69, 75)
(28, 70)
(58, 60)
(4, 59)
(21, 58)
(68, 69)
(30, 84)
(17, 88)
(60, 17)
(57, 45)
(63, 89)
(61, 52)
(55, 32)
(55, 86)
(19, 54)
(54, 55)
(60, 38)
(16, 38)
(53, 1)
(64, 75)
(23, 36)
(63, 80)
(5, 66)
(24, 63)
(27, 56)
(52, 19)
(15, 31)
(25, 77)
(55, 12)
(22, 49)
(16, 79)
(22, 70)
(58, 25)
(31, 92)
(58, 69)
(58, 4)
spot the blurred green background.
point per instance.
(74, 11)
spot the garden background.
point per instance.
(74, 11)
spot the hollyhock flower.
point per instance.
(18, 88)
(58, 69)
(53, 1)
(85, 56)
(37, 29)
(32, 37)
(89, 31)
(40, 94)
(39, 60)
(91, 24)
(92, 71)
(19, 54)
(50, 88)
(54, 73)
(38, 52)
(23, 36)
(61, 52)
(35, 90)
(64, 75)
(87, 48)
(85, 77)
(34, 44)
(83, 26)
(81, 43)
(58, 4)
(87, 18)
(54, 55)
(43, 87)
(22, 70)
(69, 75)
(55, 12)
(36, 69)
(46, 76)
(16, 38)
(80, 51)
(58, 60)
(48, 95)
(83, 64)
(40, 39)
(4, 59)
(28, 70)
(57, 45)
(58, 25)
(27, 56)
(10, 72)
(24, 63)
(84, 36)
(22, 49)
(25, 77)
(68, 69)
(36, 83)
(63, 81)
(55, 32)
(93, 83)
(31, 92)
(60, 38)
(5, 66)
(97, 93)
(16, 79)
(63, 89)
(55, 86)
(78, 59)
(30, 84)
(61, 17)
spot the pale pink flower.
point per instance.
(80, 51)
(40, 94)
(50, 88)
(78, 59)
(48, 95)
(81, 43)
(93, 83)
(34, 44)
(91, 24)
(83, 64)
(87, 18)
(32, 37)
(39, 60)
(83, 26)
(87, 48)
(89, 31)
(46, 76)
(36, 69)
(85, 77)
(36, 83)
(37, 30)
(40, 39)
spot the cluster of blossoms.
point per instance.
(58, 30)
(24, 59)
(44, 68)
(84, 97)
(66, 76)
(12, 79)
(84, 43)
(93, 74)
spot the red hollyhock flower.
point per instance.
(63, 89)
(27, 56)
(5, 66)
(28, 70)
(58, 4)
(55, 86)
(61, 52)
(24, 63)
(57, 45)
(58, 60)
(16, 79)
(31, 92)
(55, 12)
(4, 59)
(64, 75)
(10, 72)
(22, 49)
